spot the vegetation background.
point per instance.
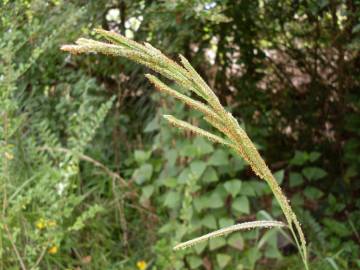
(92, 178)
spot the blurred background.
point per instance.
(91, 177)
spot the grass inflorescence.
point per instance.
(214, 113)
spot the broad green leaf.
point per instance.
(295, 179)
(236, 241)
(252, 255)
(194, 261)
(241, 205)
(313, 193)
(233, 187)
(260, 188)
(147, 191)
(313, 173)
(170, 182)
(247, 189)
(200, 247)
(184, 176)
(226, 222)
(197, 168)
(219, 158)
(269, 238)
(223, 260)
(273, 253)
(152, 125)
(141, 156)
(200, 203)
(209, 221)
(171, 156)
(300, 158)
(313, 156)
(143, 173)
(210, 175)
(337, 227)
(238, 163)
(172, 199)
(214, 201)
(188, 150)
(216, 243)
(203, 146)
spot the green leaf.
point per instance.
(219, 158)
(188, 150)
(143, 173)
(214, 201)
(141, 156)
(147, 191)
(337, 227)
(236, 241)
(171, 157)
(172, 199)
(209, 221)
(313, 193)
(238, 163)
(200, 247)
(233, 187)
(272, 253)
(225, 222)
(194, 261)
(247, 189)
(184, 176)
(203, 146)
(223, 260)
(314, 173)
(197, 168)
(279, 176)
(295, 179)
(241, 205)
(200, 203)
(300, 158)
(215, 243)
(152, 125)
(210, 175)
(252, 255)
(170, 182)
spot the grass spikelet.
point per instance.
(230, 229)
(193, 129)
(197, 105)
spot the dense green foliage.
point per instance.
(92, 178)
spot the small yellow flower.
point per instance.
(53, 250)
(141, 265)
(9, 156)
(40, 224)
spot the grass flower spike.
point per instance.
(214, 113)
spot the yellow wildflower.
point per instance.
(9, 156)
(53, 250)
(40, 224)
(141, 265)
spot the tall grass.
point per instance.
(214, 113)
